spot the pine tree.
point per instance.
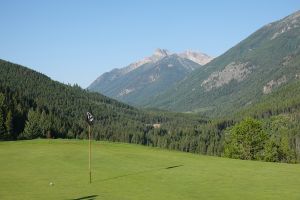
(45, 124)
(32, 127)
(9, 124)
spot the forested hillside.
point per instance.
(62, 106)
(32, 105)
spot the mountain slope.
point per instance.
(146, 78)
(256, 67)
(63, 106)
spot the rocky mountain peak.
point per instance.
(197, 57)
(157, 55)
(161, 53)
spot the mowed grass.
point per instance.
(126, 171)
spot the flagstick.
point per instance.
(90, 152)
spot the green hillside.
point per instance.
(256, 67)
(285, 100)
(124, 171)
(63, 107)
(34, 106)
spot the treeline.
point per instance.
(275, 140)
(25, 119)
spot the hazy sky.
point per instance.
(75, 41)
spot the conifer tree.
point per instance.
(32, 128)
(9, 124)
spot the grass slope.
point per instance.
(126, 171)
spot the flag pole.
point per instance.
(89, 120)
(90, 154)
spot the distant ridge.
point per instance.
(148, 77)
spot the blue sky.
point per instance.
(75, 41)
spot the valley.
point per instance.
(92, 105)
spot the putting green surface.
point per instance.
(126, 171)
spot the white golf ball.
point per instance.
(51, 184)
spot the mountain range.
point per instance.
(148, 77)
(244, 75)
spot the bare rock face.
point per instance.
(153, 77)
(286, 60)
(197, 57)
(273, 83)
(126, 91)
(160, 53)
(233, 71)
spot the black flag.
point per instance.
(89, 118)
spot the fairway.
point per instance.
(126, 171)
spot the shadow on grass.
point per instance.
(139, 172)
(90, 197)
(171, 167)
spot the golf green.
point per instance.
(58, 169)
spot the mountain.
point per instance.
(256, 67)
(148, 77)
